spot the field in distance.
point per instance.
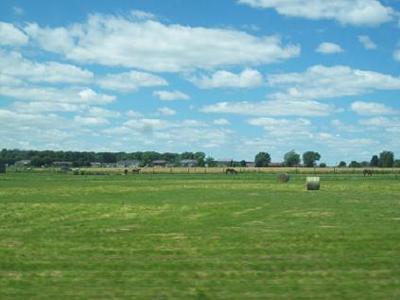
(198, 236)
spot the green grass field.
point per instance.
(198, 237)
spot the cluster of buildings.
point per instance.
(186, 163)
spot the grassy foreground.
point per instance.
(198, 237)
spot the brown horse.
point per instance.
(136, 171)
(231, 171)
(367, 172)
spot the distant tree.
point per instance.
(200, 157)
(397, 163)
(342, 164)
(2, 167)
(262, 159)
(310, 158)
(210, 161)
(322, 165)
(243, 163)
(354, 164)
(291, 159)
(365, 164)
(374, 161)
(386, 159)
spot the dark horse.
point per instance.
(231, 171)
(367, 172)
(136, 171)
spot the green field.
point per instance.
(198, 236)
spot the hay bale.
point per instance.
(313, 183)
(283, 177)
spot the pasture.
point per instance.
(198, 236)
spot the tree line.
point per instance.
(385, 159)
(84, 159)
(310, 159)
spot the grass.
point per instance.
(198, 236)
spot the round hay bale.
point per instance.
(283, 177)
(313, 184)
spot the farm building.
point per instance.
(22, 163)
(95, 165)
(225, 162)
(63, 165)
(276, 165)
(159, 163)
(128, 164)
(189, 163)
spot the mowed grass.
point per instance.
(198, 237)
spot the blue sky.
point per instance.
(229, 77)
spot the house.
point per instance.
(276, 165)
(159, 163)
(250, 164)
(189, 163)
(109, 165)
(224, 162)
(63, 165)
(95, 165)
(128, 164)
(23, 163)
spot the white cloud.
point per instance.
(367, 42)
(95, 111)
(329, 48)
(48, 106)
(389, 123)
(49, 94)
(90, 121)
(332, 82)
(142, 15)
(221, 122)
(14, 65)
(346, 12)
(52, 39)
(396, 55)
(372, 108)
(170, 95)
(165, 111)
(19, 11)
(11, 35)
(154, 46)
(284, 127)
(271, 108)
(248, 78)
(130, 81)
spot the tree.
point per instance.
(397, 163)
(374, 161)
(2, 167)
(243, 163)
(291, 159)
(386, 159)
(342, 164)
(310, 158)
(354, 164)
(210, 161)
(200, 157)
(322, 165)
(262, 159)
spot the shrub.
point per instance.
(283, 178)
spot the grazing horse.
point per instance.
(136, 171)
(231, 171)
(367, 172)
